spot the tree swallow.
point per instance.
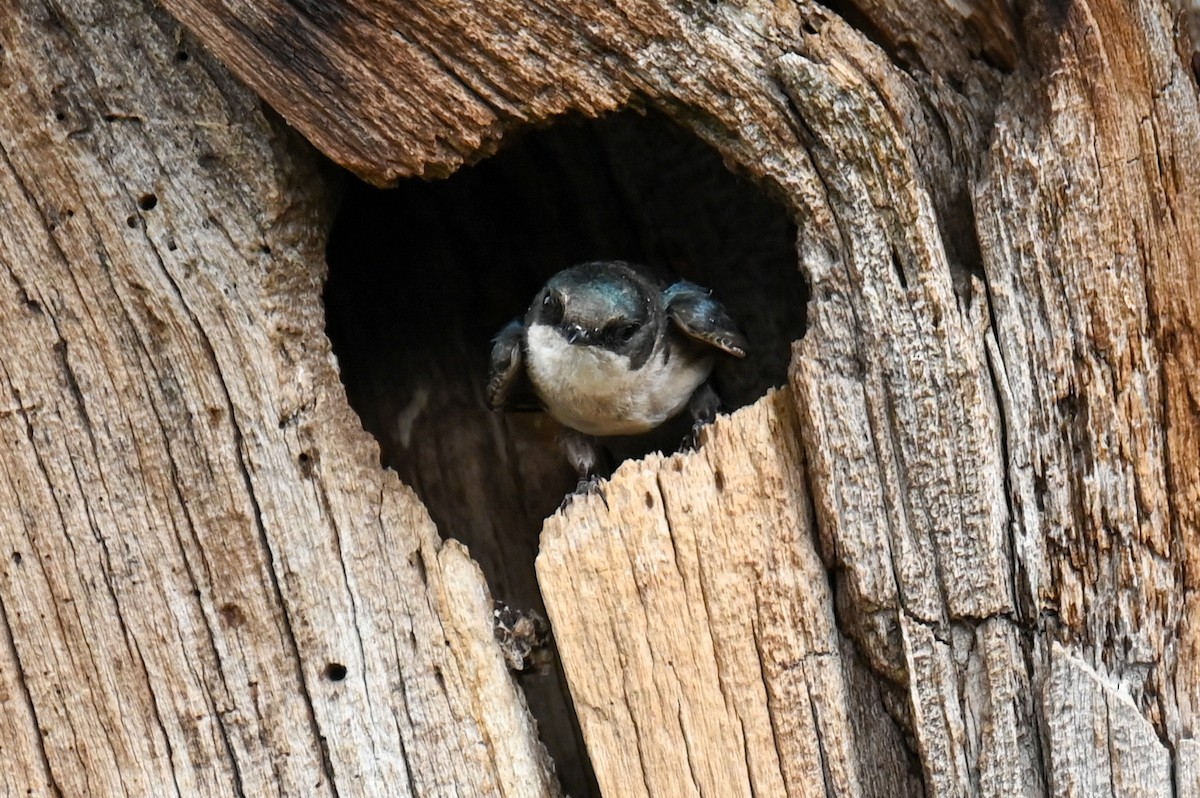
(608, 350)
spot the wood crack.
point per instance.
(22, 681)
(261, 528)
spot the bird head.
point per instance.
(606, 305)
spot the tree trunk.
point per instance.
(209, 586)
(956, 554)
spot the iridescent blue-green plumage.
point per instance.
(602, 291)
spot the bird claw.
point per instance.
(704, 406)
(587, 486)
(691, 442)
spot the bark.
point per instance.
(957, 554)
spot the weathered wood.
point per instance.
(1090, 248)
(208, 586)
(1098, 743)
(1187, 769)
(422, 276)
(695, 623)
(995, 399)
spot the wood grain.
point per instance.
(984, 564)
(696, 627)
(1085, 238)
(1098, 742)
(208, 586)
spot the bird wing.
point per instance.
(506, 366)
(698, 315)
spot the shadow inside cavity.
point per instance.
(423, 275)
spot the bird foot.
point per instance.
(704, 406)
(587, 486)
(691, 442)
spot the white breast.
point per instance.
(593, 390)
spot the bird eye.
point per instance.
(624, 332)
(552, 308)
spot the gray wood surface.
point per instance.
(208, 585)
(957, 554)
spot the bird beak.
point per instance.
(574, 333)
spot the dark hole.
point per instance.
(147, 202)
(16, 558)
(335, 672)
(898, 267)
(418, 562)
(59, 116)
(172, 246)
(181, 56)
(718, 480)
(131, 221)
(232, 614)
(860, 20)
(423, 275)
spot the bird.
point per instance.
(607, 349)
